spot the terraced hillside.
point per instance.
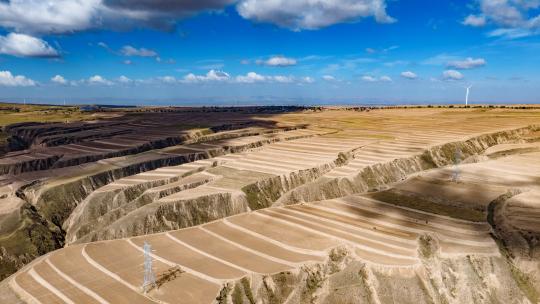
(289, 208)
(327, 245)
(36, 201)
(259, 178)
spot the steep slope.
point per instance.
(250, 181)
(339, 153)
(388, 246)
(36, 204)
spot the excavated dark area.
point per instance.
(42, 146)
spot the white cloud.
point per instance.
(502, 12)
(409, 75)
(250, 77)
(455, 62)
(97, 79)
(534, 22)
(396, 63)
(452, 75)
(215, 75)
(103, 45)
(124, 79)
(59, 79)
(440, 59)
(168, 79)
(191, 78)
(22, 45)
(368, 78)
(68, 16)
(307, 79)
(383, 51)
(312, 14)
(9, 80)
(467, 63)
(128, 50)
(473, 20)
(283, 79)
(212, 75)
(53, 16)
(329, 78)
(516, 18)
(278, 61)
(511, 33)
(253, 77)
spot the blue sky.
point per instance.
(269, 51)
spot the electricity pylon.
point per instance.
(149, 277)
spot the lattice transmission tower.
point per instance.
(149, 276)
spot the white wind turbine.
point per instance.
(467, 95)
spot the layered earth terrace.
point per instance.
(306, 206)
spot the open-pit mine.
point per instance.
(272, 205)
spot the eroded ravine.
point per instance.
(356, 248)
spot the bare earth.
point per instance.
(425, 205)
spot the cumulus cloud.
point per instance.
(165, 7)
(54, 16)
(253, 77)
(22, 45)
(168, 79)
(312, 14)
(307, 79)
(440, 59)
(68, 16)
(98, 80)
(125, 80)
(250, 77)
(9, 80)
(212, 75)
(59, 79)
(409, 75)
(278, 61)
(329, 78)
(452, 75)
(473, 20)
(161, 13)
(516, 18)
(128, 50)
(502, 12)
(368, 78)
(467, 63)
(283, 79)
